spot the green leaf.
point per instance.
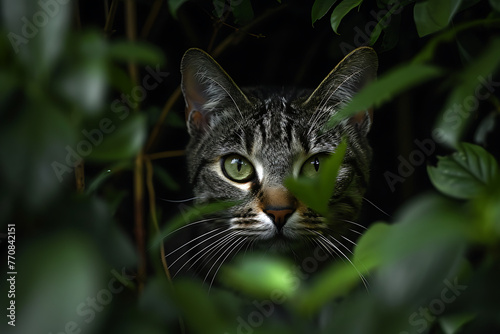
(392, 83)
(367, 252)
(485, 128)
(316, 192)
(451, 324)
(495, 4)
(473, 84)
(123, 141)
(259, 276)
(466, 173)
(87, 85)
(342, 10)
(219, 7)
(174, 5)
(38, 44)
(242, 11)
(334, 282)
(433, 15)
(200, 311)
(140, 53)
(448, 36)
(320, 8)
(382, 24)
(49, 292)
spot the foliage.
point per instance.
(86, 155)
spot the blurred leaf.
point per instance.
(419, 275)
(37, 33)
(219, 7)
(367, 252)
(495, 4)
(485, 128)
(156, 300)
(259, 276)
(242, 11)
(341, 10)
(449, 35)
(119, 79)
(199, 311)
(431, 16)
(316, 192)
(123, 142)
(139, 53)
(320, 8)
(474, 81)
(86, 85)
(465, 173)
(423, 248)
(487, 211)
(33, 143)
(174, 6)
(52, 293)
(387, 86)
(382, 25)
(451, 324)
(334, 282)
(165, 178)
(10, 83)
(426, 220)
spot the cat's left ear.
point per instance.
(351, 74)
(207, 90)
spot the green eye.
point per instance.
(237, 168)
(312, 166)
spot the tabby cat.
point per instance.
(245, 142)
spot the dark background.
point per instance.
(285, 49)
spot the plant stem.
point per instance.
(152, 210)
(110, 18)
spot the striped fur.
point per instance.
(277, 130)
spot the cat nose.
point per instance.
(278, 215)
(278, 204)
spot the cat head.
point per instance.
(246, 142)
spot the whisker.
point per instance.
(190, 249)
(178, 200)
(329, 242)
(385, 213)
(220, 248)
(215, 247)
(235, 248)
(191, 224)
(353, 223)
(354, 231)
(352, 242)
(193, 240)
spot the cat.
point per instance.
(245, 142)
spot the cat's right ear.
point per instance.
(206, 88)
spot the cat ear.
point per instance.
(350, 75)
(206, 87)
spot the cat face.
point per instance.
(246, 142)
